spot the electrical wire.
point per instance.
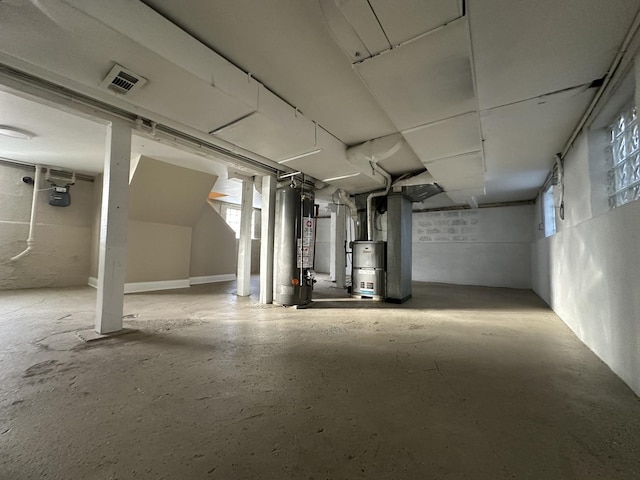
(560, 172)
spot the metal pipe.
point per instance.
(560, 172)
(371, 196)
(31, 240)
(344, 196)
(301, 237)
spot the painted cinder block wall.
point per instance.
(589, 271)
(62, 253)
(487, 246)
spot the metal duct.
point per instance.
(372, 152)
(373, 195)
(419, 193)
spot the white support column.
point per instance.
(113, 229)
(337, 256)
(244, 246)
(332, 243)
(269, 185)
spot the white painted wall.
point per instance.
(157, 252)
(213, 246)
(487, 246)
(323, 245)
(61, 256)
(589, 272)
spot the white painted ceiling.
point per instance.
(76, 144)
(484, 92)
(61, 138)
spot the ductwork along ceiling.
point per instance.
(475, 96)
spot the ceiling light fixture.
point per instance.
(16, 132)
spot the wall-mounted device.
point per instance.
(59, 195)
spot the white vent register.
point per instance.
(122, 81)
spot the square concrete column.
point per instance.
(337, 253)
(399, 243)
(113, 229)
(244, 245)
(269, 185)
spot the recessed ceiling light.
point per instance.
(16, 133)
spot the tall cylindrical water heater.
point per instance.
(293, 246)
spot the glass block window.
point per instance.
(624, 175)
(549, 212)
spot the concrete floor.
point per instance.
(459, 383)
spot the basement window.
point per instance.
(232, 216)
(549, 212)
(624, 174)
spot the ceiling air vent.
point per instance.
(122, 81)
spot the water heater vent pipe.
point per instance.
(353, 210)
(371, 196)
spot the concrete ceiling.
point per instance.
(484, 92)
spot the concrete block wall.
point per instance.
(486, 246)
(62, 252)
(589, 271)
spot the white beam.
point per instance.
(113, 229)
(332, 245)
(244, 246)
(269, 184)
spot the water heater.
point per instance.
(294, 244)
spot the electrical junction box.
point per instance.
(59, 196)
